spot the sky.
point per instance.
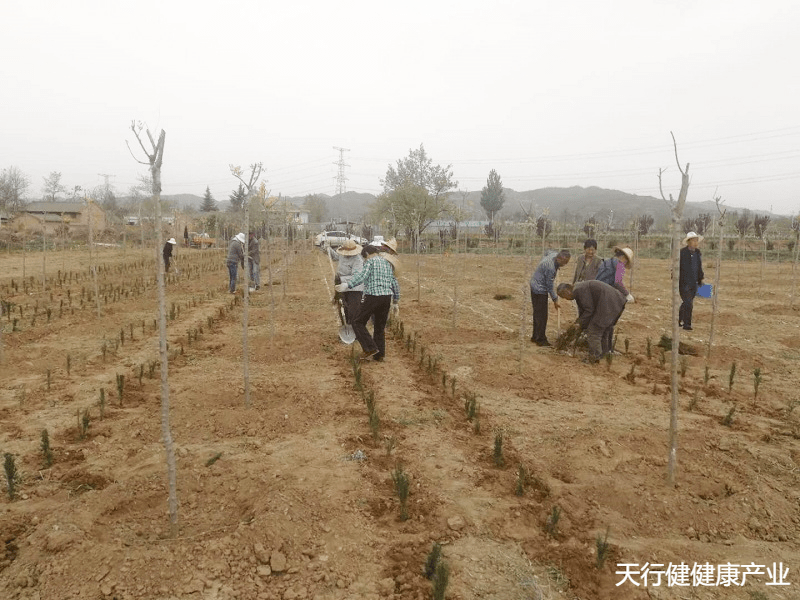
(549, 94)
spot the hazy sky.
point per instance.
(547, 93)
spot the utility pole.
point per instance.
(341, 179)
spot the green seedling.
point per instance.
(631, 376)
(102, 403)
(756, 382)
(213, 459)
(390, 444)
(498, 449)
(120, 387)
(47, 452)
(727, 420)
(401, 487)
(662, 358)
(375, 425)
(693, 401)
(11, 475)
(603, 547)
(48, 380)
(649, 348)
(440, 581)
(551, 524)
(453, 386)
(69, 363)
(433, 560)
(522, 480)
(731, 377)
(122, 337)
(609, 360)
(705, 376)
(84, 423)
(627, 345)
(470, 405)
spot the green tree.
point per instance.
(415, 193)
(209, 204)
(52, 186)
(317, 208)
(13, 185)
(237, 198)
(492, 195)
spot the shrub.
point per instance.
(402, 487)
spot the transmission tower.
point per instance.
(107, 187)
(340, 178)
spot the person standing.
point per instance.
(599, 308)
(587, 264)
(235, 258)
(350, 263)
(377, 275)
(167, 253)
(254, 261)
(541, 283)
(691, 277)
(186, 235)
(612, 270)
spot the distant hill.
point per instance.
(570, 203)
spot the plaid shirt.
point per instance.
(377, 277)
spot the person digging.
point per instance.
(599, 308)
(380, 288)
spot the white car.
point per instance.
(336, 238)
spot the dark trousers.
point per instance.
(377, 307)
(685, 312)
(233, 268)
(540, 308)
(351, 301)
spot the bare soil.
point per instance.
(300, 501)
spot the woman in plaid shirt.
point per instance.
(381, 291)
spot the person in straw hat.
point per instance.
(235, 258)
(167, 253)
(380, 292)
(350, 263)
(612, 270)
(691, 277)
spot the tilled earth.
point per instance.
(292, 497)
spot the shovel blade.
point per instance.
(346, 334)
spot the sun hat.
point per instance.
(349, 248)
(626, 251)
(393, 260)
(240, 236)
(391, 245)
(690, 235)
(171, 241)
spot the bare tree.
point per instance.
(677, 213)
(250, 185)
(154, 159)
(796, 248)
(714, 297)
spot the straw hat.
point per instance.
(690, 235)
(349, 248)
(393, 260)
(627, 252)
(240, 236)
(391, 245)
(171, 241)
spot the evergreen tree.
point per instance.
(237, 199)
(209, 204)
(492, 195)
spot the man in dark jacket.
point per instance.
(599, 308)
(691, 277)
(166, 253)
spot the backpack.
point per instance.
(607, 270)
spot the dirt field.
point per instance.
(300, 501)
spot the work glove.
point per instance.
(629, 298)
(342, 287)
(395, 311)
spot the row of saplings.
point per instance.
(572, 339)
(15, 477)
(436, 568)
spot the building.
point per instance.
(60, 217)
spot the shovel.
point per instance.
(346, 333)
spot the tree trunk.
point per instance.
(92, 266)
(794, 267)
(677, 215)
(715, 295)
(44, 258)
(246, 303)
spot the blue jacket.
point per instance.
(545, 275)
